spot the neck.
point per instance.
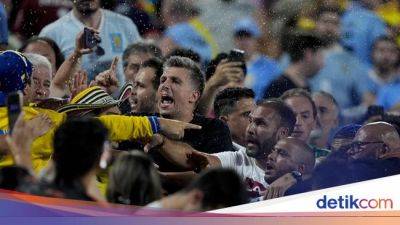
(296, 72)
(262, 163)
(184, 116)
(92, 20)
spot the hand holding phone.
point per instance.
(236, 55)
(90, 38)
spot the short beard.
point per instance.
(86, 12)
(265, 150)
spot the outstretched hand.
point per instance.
(175, 129)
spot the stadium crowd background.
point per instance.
(162, 111)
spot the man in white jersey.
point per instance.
(116, 33)
(270, 121)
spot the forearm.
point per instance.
(177, 153)
(64, 74)
(207, 99)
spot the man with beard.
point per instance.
(116, 33)
(270, 121)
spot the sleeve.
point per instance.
(227, 159)
(122, 128)
(218, 138)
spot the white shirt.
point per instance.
(245, 167)
(116, 32)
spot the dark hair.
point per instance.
(195, 73)
(141, 47)
(394, 120)
(157, 65)
(300, 92)
(296, 43)
(226, 100)
(133, 180)
(184, 52)
(78, 146)
(212, 66)
(53, 45)
(12, 177)
(287, 116)
(221, 188)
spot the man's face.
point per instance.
(42, 48)
(305, 121)
(261, 134)
(281, 160)
(327, 113)
(143, 99)
(40, 85)
(385, 54)
(238, 120)
(133, 64)
(366, 144)
(328, 26)
(86, 7)
(176, 92)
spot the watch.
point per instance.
(297, 175)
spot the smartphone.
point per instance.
(90, 40)
(236, 55)
(14, 107)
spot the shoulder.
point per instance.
(116, 16)
(210, 124)
(56, 25)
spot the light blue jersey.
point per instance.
(360, 29)
(116, 32)
(260, 72)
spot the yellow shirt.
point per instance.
(120, 128)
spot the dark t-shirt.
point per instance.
(213, 137)
(279, 86)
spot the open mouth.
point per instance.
(166, 101)
(134, 102)
(297, 133)
(269, 168)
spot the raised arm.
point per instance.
(58, 87)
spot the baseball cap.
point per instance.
(248, 26)
(15, 71)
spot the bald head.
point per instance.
(374, 140)
(289, 154)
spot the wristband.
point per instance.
(297, 175)
(155, 124)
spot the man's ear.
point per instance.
(224, 118)
(383, 151)
(282, 132)
(302, 168)
(194, 97)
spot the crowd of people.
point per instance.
(197, 105)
